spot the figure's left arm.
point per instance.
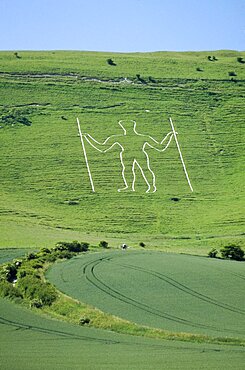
(163, 145)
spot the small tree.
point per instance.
(111, 62)
(232, 252)
(103, 244)
(142, 244)
(17, 55)
(232, 74)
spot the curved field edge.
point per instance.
(33, 341)
(72, 309)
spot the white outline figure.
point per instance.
(143, 163)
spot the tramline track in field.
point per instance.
(89, 269)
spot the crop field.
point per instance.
(179, 293)
(46, 194)
(29, 341)
(10, 254)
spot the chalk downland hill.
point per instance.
(45, 189)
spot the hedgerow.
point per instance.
(24, 278)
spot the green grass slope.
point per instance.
(45, 189)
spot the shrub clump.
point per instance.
(33, 288)
(232, 252)
(240, 60)
(84, 321)
(74, 246)
(103, 244)
(8, 272)
(8, 290)
(15, 117)
(111, 62)
(24, 278)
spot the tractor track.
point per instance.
(186, 289)
(89, 270)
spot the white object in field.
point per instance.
(85, 155)
(146, 141)
(180, 154)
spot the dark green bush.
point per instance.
(17, 55)
(111, 62)
(31, 256)
(45, 251)
(240, 60)
(8, 272)
(103, 244)
(36, 303)
(84, 321)
(233, 252)
(74, 246)
(85, 246)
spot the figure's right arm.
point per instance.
(101, 147)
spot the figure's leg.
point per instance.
(148, 175)
(127, 174)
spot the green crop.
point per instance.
(179, 293)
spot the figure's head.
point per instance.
(127, 125)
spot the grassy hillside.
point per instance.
(45, 189)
